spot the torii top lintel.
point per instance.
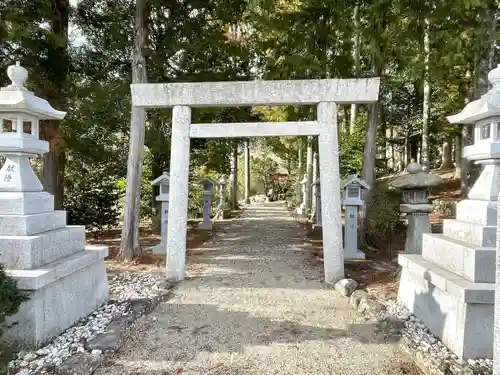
(250, 93)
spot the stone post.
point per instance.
(496, 310)
(416, 205)
(247, 171)
(179, 187)
(317, 197)
(208, 185)
(328, 145)
(234, 178)
(309, 171)
(164, 184)
(298, 190)
(314, 178)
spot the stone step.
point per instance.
(473, 263)
(478, 212)
(476, 234)
(449, 282)
(457, 311)
(26, 203)
(60, 294)
(38, 278)
(27, 225)
(29, 252)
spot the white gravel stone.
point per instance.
(123, 287)
(424, 341)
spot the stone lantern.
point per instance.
(415, 186)
(301, 209)
(65, 279)
(208, 185)
(164, 184)
(223, 208)
(352, 188)
(451, 285)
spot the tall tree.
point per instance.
(129, 246)
(56, 67)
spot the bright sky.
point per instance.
(75, 36)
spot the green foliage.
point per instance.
(93, 203)
(384, 222)
(10, 296)
(351, 152)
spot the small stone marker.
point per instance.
(416, 205)
(223, 208)
(352, 188)
(208, 185)
(164, 183)
(318, 227)
(301, 209)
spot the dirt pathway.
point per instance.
(253, 304)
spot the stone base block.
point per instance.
(318, 229)
(66, 291)
(478, 212)
(205, 225)
(29, 252)
(26, 203)
(28, 225)
(476, 234)
(226, 213)
(459, 312)
(353, 255)
(161, 248)
(473, 263)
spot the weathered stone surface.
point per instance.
(346, 286)
(416, 178)
(223, 94)
(80, 364)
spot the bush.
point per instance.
(10, 296)
(93, 204)
(384, 222)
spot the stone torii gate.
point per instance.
(325, 94)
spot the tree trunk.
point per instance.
(129, 246)
(458, 156)
(464, 165)
(52, 171)
(446, 162)
(357, 62)
(426, 102)
(370, 151)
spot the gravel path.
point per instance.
(253, 304)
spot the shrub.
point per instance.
(10, 296)
(384, 222)
(93, 204)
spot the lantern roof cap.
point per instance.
(15, 98)
(209, 180)
(416, 177)
(164, 179)
(486, 106)
(353, 179)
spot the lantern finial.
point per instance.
(18, 75)
(494, 76)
